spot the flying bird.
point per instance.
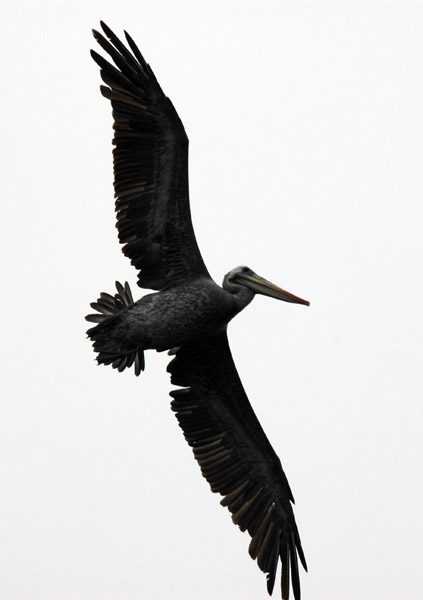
(188, 314)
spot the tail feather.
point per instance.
(109, 307)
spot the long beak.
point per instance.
(261, 286)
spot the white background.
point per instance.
(306, 125)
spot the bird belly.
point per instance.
(166, 319)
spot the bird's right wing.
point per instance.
(150, 162)
(236, 457)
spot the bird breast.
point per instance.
(173, 317)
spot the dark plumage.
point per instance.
(189, 314)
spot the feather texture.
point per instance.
(150, 170)
(236, 457)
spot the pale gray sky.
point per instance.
(305, 122)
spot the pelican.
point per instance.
(188, 314)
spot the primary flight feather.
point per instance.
(189, 313)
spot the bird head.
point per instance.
(246, 277)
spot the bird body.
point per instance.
(169, 318)
(189, 313)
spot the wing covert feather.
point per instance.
(236, 457)
(150, 170)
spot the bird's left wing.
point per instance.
(150, 162)
(236, 457)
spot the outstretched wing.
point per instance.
(150, 168)
(236, 457)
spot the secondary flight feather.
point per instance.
(189, 313)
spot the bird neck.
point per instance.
(243, 297)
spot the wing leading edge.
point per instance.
(236, 457)
(150, 168)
